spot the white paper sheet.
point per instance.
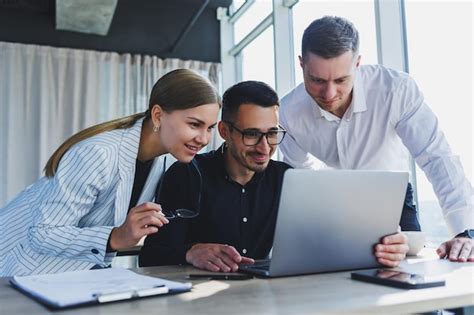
(79, 287)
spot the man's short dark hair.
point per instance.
(330, 37)
(247, 92)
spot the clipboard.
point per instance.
(77, 288)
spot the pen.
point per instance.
(110, 297)
(220, 276)
(152, 291)
(124, 295)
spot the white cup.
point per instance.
(416, 242)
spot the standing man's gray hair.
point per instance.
(330, 37)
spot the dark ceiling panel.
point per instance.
(33, 5)
(139, 27)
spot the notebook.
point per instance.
(70, 289)
(331, 220)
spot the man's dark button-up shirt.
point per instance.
(232, 214)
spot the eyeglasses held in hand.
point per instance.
(181, 212)
(251, 137)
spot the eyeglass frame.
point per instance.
(262, 134)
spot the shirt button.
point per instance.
(244, 251)
(244, 219)
(94, 251)
(243, 190)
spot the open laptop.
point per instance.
(331, 220)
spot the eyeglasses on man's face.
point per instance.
(252, 137)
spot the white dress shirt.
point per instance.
(386, 117)
(62, 223)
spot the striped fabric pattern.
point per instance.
(63, 223)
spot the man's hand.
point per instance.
(216, 257)
(392, 249)
(142, 220)
(460, 249)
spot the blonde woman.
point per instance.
(95, 197)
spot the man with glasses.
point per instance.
(237, 195)
(367, 117)
(239, 189)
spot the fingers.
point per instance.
(456, 245)
(397, 238)
(471, 256)
(392, 250)
(247, 260)
(395, 248)
(465, 252)
(141, 217)
(150, 229)
(228, 258)
(150, 218)
(214, 257)
(209, 265)
(397, 256)
(142, 220)
(231, 252)
(442, 250)
(461, 249)
(146, 207)
(388, 263)
(224, 263)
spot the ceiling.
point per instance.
(185, 29)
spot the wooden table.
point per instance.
(330, 293)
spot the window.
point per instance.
(441, 63)
(258, 59)
(251, 18)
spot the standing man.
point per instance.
(367, 117)
(237, 195)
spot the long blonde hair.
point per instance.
(176, 90)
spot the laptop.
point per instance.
(330, 220)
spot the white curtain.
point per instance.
(47, 94)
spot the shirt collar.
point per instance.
(318, 111)
(358, 103)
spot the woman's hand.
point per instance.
(142, 220)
